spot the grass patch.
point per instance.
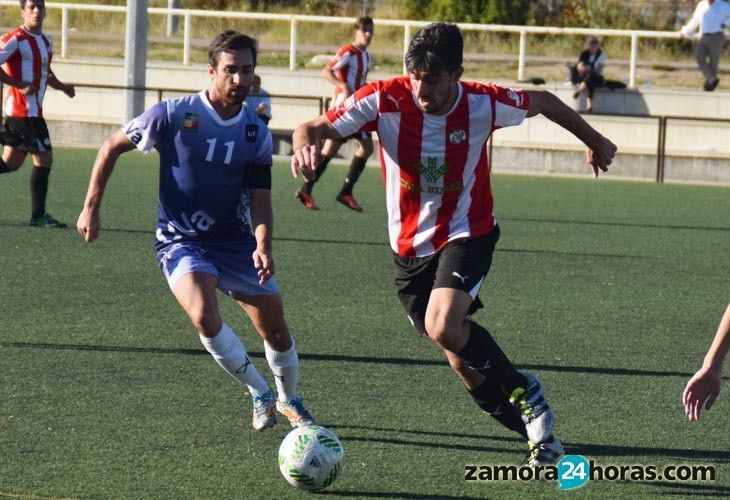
(610, 291)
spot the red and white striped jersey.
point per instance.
(434, 167)
(350, 65)
(27, 57)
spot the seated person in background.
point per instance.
(588, 73)
(259, 100)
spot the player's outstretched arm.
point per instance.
(704, 386)
(262, 222)
(305, 144)
(89, 221)
(601, 151)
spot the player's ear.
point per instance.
(211, 71)
(458, 72)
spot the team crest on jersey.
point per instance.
(191, 122)
(252, 131)
(457, 136)
(515, 97)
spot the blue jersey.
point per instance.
(207, 166)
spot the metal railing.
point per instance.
(322, 103)
(408, 29)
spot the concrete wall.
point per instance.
(697, 151)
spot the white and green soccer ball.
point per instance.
(311, 457)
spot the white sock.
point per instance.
(228, 351)
(285, 367)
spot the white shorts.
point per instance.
(231, 264)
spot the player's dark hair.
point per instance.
(230, 41)
(37, 2)
(363, 22)
(436, 47)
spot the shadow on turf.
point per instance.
(349, 359)
(587, 449)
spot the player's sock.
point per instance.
(490, 398)
(38, 189)
(4, 167)
(321, 167)
(228, 351)
(285, 367)
(356, 167)
(483, 354)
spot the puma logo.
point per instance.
(395, 101)
(462, 278)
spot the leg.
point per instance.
(196, 293)
(487, 395)
(701, 54)
(42, 163)
(714, 52)
(267, 315)
(364, 150)
(12, 159)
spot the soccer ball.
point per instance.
(311, 457)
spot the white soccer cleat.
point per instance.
(263, 411)
(534, 410)
(546, 453)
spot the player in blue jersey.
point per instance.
(215, 219)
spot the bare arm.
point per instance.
(305, 143)
(704, 386)
(25, 87)
(55, 83)
(600, 150)
(88, 222)
(262, 222)
(330, 76)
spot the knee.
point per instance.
(444, 327)
(205, 318)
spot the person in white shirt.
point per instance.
(709, 18)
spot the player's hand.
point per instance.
(70, 90)
(702, 390)
(88, 225)
(305, 160)
(27, 89)
(264, 264)
(600, 155)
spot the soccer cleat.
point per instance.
(295, 411)
(349, 201)
(306, 199)
(534, 410)
(546, 453)
(263, 411)
(46, 220)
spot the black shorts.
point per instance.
(27, 134)
(462, 264)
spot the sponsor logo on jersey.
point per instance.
(191, 122)
(431, 173)
(252, 130)
(457, 136)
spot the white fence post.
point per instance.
(186, 39)
(293, 45)
(64, 32)
(521, 60)
(634, 59)
(406, 42)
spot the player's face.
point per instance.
(363, 36)
(231, 79)
(435, 92)
(33, 13)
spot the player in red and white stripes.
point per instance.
(347, 71)
(25, 55)
(433, 131)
